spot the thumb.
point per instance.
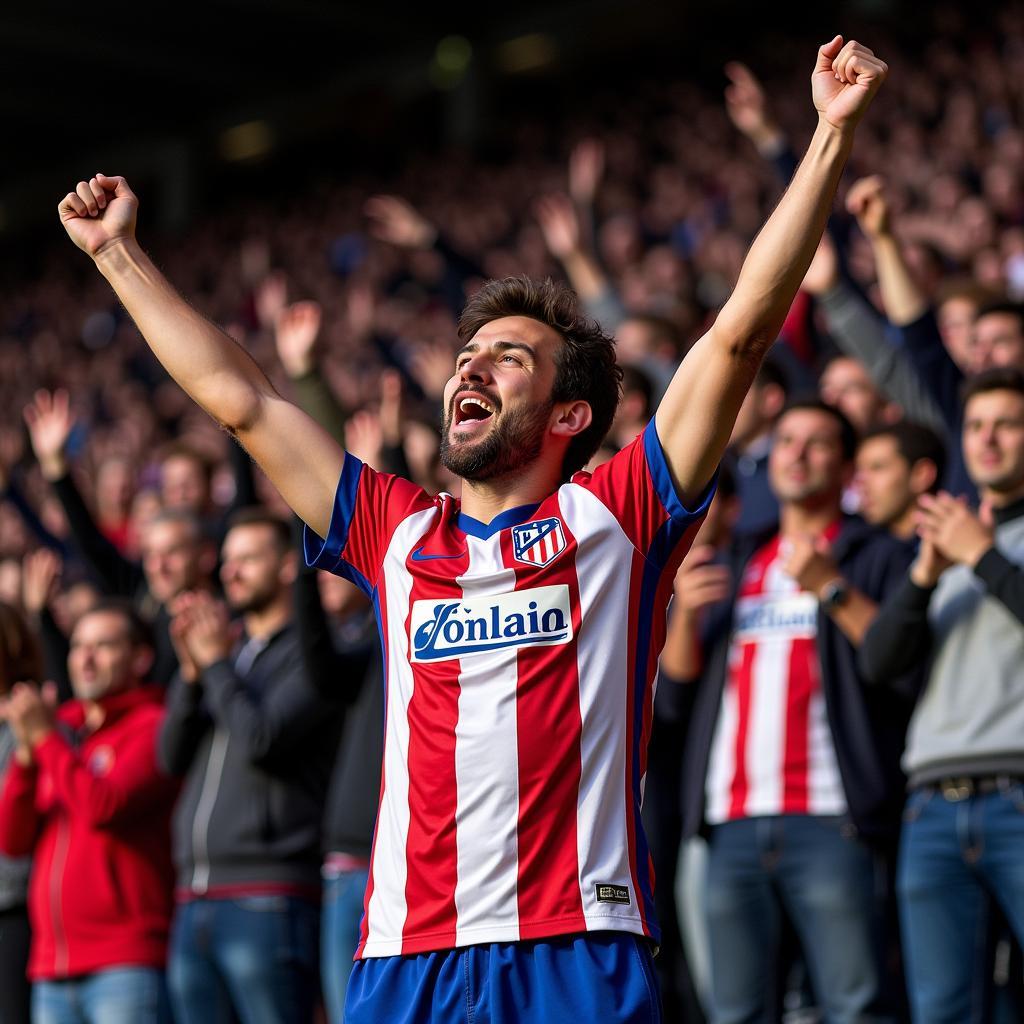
(828, 53)
(49, 694)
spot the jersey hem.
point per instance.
(434, 941)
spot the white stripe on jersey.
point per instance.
(487, 810)
(605, 688)
(825, 793)
(766, 733)
(386, 911)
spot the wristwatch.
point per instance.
(834, 594)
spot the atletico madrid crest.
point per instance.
(538, 542)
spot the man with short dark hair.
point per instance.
(791, 766)
(254, 743)
(960, 612)
(521, 623)
(895, 466)
(84, 795)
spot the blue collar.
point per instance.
(510, 517)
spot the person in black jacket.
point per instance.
(255, 744)
(792, 763)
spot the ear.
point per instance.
(923, 475)
(571, 418)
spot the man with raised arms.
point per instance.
(509, 875)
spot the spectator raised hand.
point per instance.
(586, 169)
(40, 571)
(747, 107)
(201, 631)
(867, 202)
(295, 333)
(50, 421)
(823, 273)
(432, 364)
(364, 438)
(394, 220)
(560, 225)
(271, 298)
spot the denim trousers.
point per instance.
(251, 959)
(119, 995)
(956, 856)
(831, 887)
(339, 936)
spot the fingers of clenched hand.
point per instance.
(864, 192)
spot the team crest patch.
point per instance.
(539, 542)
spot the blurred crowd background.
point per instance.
(635, 165)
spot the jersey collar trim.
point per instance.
(510, 517)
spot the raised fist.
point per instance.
(844, 81)
(99, 212)
(866, 201)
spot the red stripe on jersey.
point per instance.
(549, 730)
(636, 574)
(796, 762)
(431, 852)
(382, 619)
(742, 683)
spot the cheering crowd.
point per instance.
(190, 738)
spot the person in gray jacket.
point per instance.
(255, 743)
(961, 609)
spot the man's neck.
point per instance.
(903, 526)
(808, 519)
(487, 499)
(267, 621)
(1000, 499)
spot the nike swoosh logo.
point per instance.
(418, 556)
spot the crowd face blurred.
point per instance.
(115, 483)
(993, 440)
(173, 557)
(998, 341)
(256, 570)
(184, 483)
(886, 483)
(515, 384)
(102, 659)
(806, 463)
(955, 317)
(757, 414)
(846, 384)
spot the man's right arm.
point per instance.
(298, 456)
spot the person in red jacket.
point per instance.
(84, 796)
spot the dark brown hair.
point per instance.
(585, 366)
(914, 442)
(257, 515)
(20, 657)
(999, 378)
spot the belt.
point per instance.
(961, 787)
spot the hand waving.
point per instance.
(99, 212)
(50, 421)
(844, 81)
(295, 333)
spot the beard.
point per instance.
(513, 442)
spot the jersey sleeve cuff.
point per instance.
(323, 553)
(664, 486)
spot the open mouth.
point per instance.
(472, 408)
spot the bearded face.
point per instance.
(483, 441)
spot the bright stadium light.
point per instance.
(451, 61)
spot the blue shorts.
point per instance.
(605, 977)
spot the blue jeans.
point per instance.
(833, 890)
(120, 995)
(252, 958)
(955, 856)
(339, 936)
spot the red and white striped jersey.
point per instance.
(773, 751)
(520, 661)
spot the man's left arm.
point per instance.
(697, 414)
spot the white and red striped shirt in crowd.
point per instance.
(520, 661)
(773, 751)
